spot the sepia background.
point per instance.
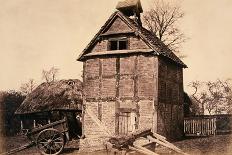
(36, 35)
(40, 34)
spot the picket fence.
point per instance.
(200, 126)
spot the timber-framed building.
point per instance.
(131, 79)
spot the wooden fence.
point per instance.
(205, 125)
(200, 126)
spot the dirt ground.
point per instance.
(215, 145)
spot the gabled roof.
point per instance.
(157, 46)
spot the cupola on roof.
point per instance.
(130, 7)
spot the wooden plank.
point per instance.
(19, 148)
(53, 124)
(123, 142)
(141, 151)
(142, 141)
(164, 142)
(145, 149)
(159, 136)
(118, 52)
(215, 129)
(21, 124)
(167, 144)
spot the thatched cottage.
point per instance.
(51, 102)
(131, 80)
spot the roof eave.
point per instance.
(110, 19)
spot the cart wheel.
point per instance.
(50, 141)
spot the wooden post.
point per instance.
(155, 118)
(34, 123)
(215, 127)
(84, 100)
(117, 102)
(21, 124)
(155, 99)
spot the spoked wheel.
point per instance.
(50, 141)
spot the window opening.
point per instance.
(118, 44)
(122, 45)
(113, 45)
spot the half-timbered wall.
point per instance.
(143, 88)
(119, 85)
(130, 81)
(170, 97)
(134, 43)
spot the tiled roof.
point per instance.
(157, 44)
(159, 48)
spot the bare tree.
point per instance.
(27, 88)
(163, 20)
(213, 96)
(198, 97)
(50, 75)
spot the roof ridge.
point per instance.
(147, 36)
(96, 35)
(155, 41)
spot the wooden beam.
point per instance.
(156, 135)
(97, 121)
(34, 123)
(164, 143)
(163, 139)
(116, 52)
(123, 142)
(53, 124)
(145, 149)
(21, 124)
(167, 144)
(142, 143)
(142, 133)
(116, 33)
(13, 151)
(142, 151)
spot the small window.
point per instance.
(113, 45)
(120, 44)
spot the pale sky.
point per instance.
(39, 34)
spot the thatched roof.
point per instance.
(60, 95)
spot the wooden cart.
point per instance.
(50, 138)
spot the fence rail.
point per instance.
(199, 126)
